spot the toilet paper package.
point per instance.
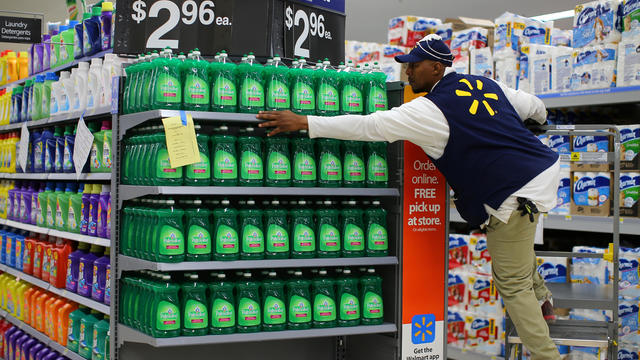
(561, 69)
(395, 30)
(560, 144)
(629, 189)
(481, 62)
(445, 31)
(457, 288)
(630, 146)
(458, 250)
(594, 67)
(591, 189)
(541, 54)
(629, 284)
(564, 192)
(630, 16)
(590, 143)
(393, 71)
(553, 269)
(475, 37)
(502, 33)
(596, 22)
(529, 31)
(588, 270)
(587, 353)
(389, 52)
(628, 67)
(543, 139)
(483, 332)
(479, 253)
(506, 70)
(628, 318)
(540, 71)
(629, 349)
(561, 37)
(455, 326)
(460, 61)
(408, 30)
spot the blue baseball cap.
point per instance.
(431, 47)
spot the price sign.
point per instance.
(313, 33)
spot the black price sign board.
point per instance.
(20, 30)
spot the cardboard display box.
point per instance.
(603, 207)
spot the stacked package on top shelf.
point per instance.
(467, 40)
(408, 30)
(367, 53)
(628, 67)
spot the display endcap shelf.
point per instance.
(607, 96)
(57, 176)
(63, 234)
(456, 353)
(128, 263)
(128, 334)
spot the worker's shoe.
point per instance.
(547, 312)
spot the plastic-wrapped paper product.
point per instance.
(596, 22)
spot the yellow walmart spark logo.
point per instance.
(473, 109)
(423, 329)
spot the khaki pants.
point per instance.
(518, 282)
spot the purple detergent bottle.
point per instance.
(40, 355)
(26, 347)
(25, 204)
(11, 343)
(104, 212)
(94, 201)
(34, 350)
(100, 267)
(85, 270)
(73, 266)
(86, 206)
(11, 197)
(17, 350)
(7, 336)
(53, 355)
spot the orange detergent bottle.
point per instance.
(40, 310)
(52, 317)
(32, 306)
(26, 306)
(58, 263)
(63, 321)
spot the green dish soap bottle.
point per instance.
(347, 295)
(252, 246)
(354, 167)
(327, 93)
(198, 235)
(372, 306)
(324, 301)
(351, 101)
(304, 161)
(303, 98)
(170, 233)
(224, 95)
(278, 95)
(164, 174)
(199, 174)
(328, 234)
(375, 219)
(277, 235)
(273, 304)
(352, 231)
(196, 83)
(223, 310)
(278, 161)
(377, 166)
(225, 163)
(148, 77)
(302, 230)
(194, 307)
(167, 90)
(251, 164)
(376, 90)
(166, 309)
(330, 165)
(249, 314)
(252, 97)
(299, 296)
(226, 233)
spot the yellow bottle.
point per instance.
(3, 289)
(10, 295)
(12, 144)
(12, 67)
(20, 300)
(7, 106)
(23, 65)
(3, 67)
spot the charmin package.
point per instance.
(561, 37)
(529, 31)
(590, 143)
(553, 269)
(540, 58)
(588, 270)
(594, 67)
(629, 189)
(630, 141)
(502, 33)
(560, 144)
(460, 61)
(630, 16)
(408, 30)
(506, 70)
(561, 69)
(445, 31)
(564, 192)
(475, 37)
(458, 250)
(596, 22)
(629, 284)
(629, 60)
(481, 62)
(628, 319)
(590, 188)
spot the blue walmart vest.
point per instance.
(490, 154)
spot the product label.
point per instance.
(377, 238)
(277, 239)
(171, 241)
(329, 238)
(86, 43)
(251, 166)
(353, 168)
(303, 97)
(201, 169)
(305, 167)
(226, 240)
(328, 98)
(349, 307)
(196, 90)
(168, 316)
(167, 89)
(278, 95)
(353, 238)
(225, 165)
(377, 100)
(224, 92)
(106, 152)
(274, 311)
(324, 308)
(50, 215)
(304, 238)
(377, 169)
(372, 306)
(330, 167)
(67, 161)
(59, 219)
(198, 240)
(224, 314)
(252, 93)
(248, 313)
(163, 166)
(252, 239)
(299, 310)
(195, 315)
(351, 99)
(279, 167)
(71, 219)
(37, 155)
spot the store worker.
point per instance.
(473, 129)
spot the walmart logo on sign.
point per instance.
(423, 329)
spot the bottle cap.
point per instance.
(107, 6)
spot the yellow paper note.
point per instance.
(181, 141)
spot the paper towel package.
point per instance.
(561, 69)
(389, 52)
(481, 62)
(596, 22)
(628, 66)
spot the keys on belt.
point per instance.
(527, 207)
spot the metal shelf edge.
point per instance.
(63, 234)
(55, 119)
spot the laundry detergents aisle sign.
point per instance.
(424, 272)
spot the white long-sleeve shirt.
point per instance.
(421, 122)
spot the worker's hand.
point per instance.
(282, 121)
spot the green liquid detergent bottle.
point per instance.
(375, 90)
(278, 161)
(299, 297)
(196, 84)
(170, 233)
(148, 77)
(252, 97)
(198, 235)
(353, 165)
(134, 72)
(224, 94)
(166, 309)
(223, 309)
(375, 219)
(164, 174)
(100, 331)
(303, 98)
(226, 233)
(351, 100)
(278, 95)
(304, 161)
(324, 301)
(377, 166)
(167, 90)
(327, 93)
(302, 231)
(330, 165)
(251, 164)
(328, 232)
(194, 307)
(199, 173)
(142, 69)
(252, 246)
(87, 324)
(277, 238)
(249, 314)
(352, 231)
(372, 306)
(225, 163)
(349, 303)
(273, 304)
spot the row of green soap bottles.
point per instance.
(194, 84)
(88, 334)
(160, 231)
(247, 160)
(158, 306)
(61, 206)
